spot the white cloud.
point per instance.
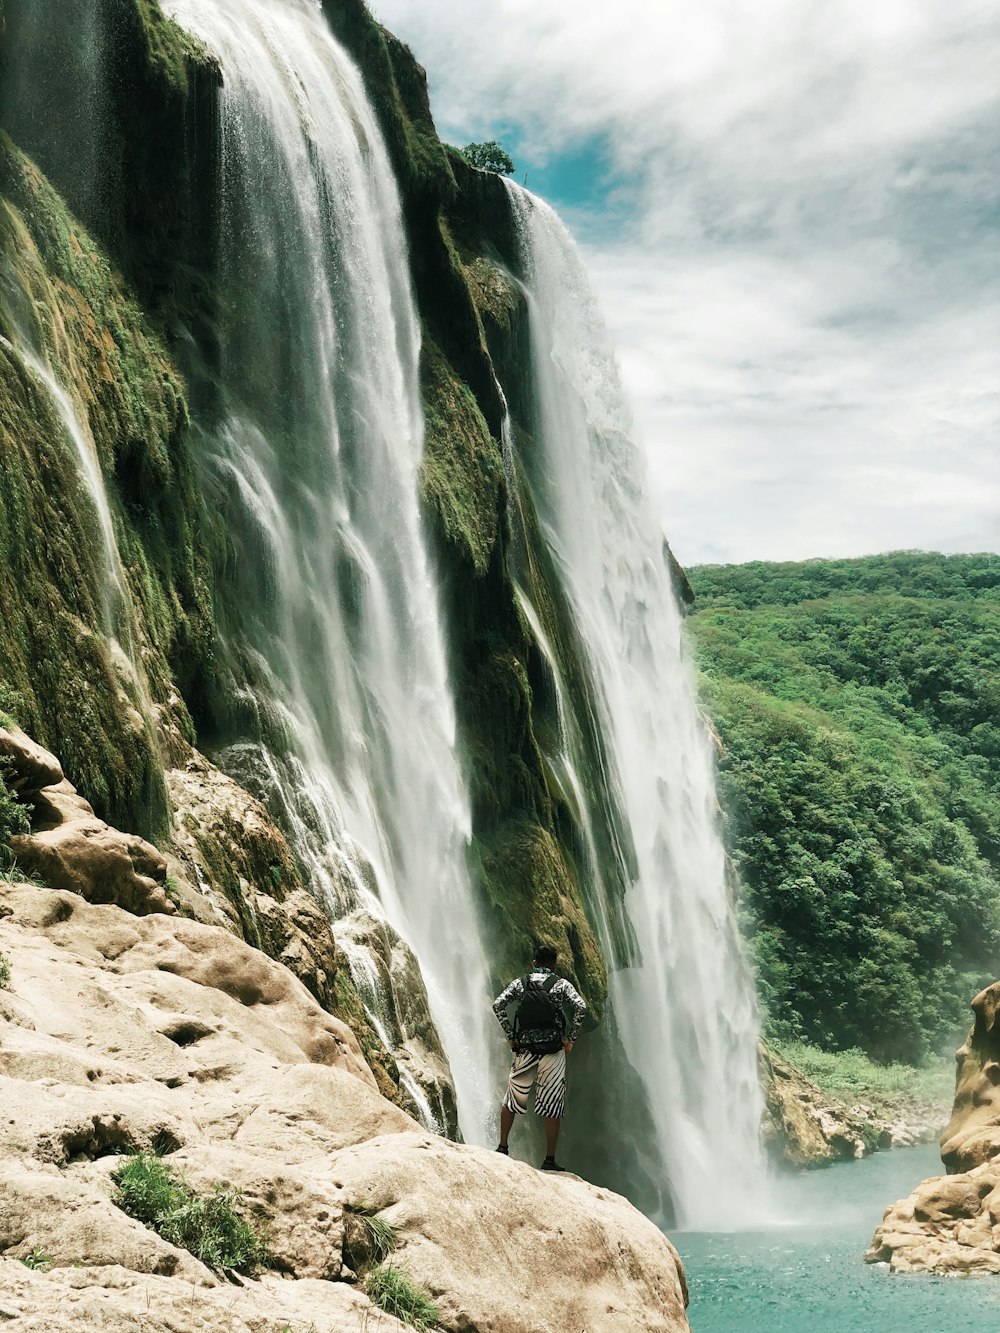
(807, 298)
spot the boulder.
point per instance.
(973, 1133)
(502, 1248)
(68, 846)
(29, 766)
(951, 1224)
(121, 1033)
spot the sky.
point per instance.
(791, 213)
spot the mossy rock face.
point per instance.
(536, 899)
(116, 103)
(461, 476)
(60, 297)
(463, 247)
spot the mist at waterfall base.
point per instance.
(682, 1011)
(343, 718)
(806, 1275)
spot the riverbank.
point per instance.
(873, 1106)
(804, 1272)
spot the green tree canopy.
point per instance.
(489, 156)
(859, 706)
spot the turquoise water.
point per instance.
(808, 1275)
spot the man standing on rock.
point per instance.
(540, 1041)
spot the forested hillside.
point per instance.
(858, 702)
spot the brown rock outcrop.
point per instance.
(951, 1224)
(801, 1127)
(68, 846)
(236, 868)
(121, 1032)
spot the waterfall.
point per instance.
(342, 714)
(118, 617)
(684, 1006)
(112, 589)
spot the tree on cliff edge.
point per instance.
(490, 156)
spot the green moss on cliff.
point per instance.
(62, 299)
(116, 104)
(397, 86)
(462, 473)
(533, 890)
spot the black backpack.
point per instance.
(538, 1012)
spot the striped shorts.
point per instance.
(550, 1088)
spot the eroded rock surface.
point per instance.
(802, 1127)
(235, 868)
(951, 1224)
(68, 846)
(121, 1033)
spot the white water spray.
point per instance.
(684, 1008)
(338, 657)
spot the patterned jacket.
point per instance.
(562, 992)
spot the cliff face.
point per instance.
(108, 647)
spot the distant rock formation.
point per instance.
(801, 1127)
(951, 1223)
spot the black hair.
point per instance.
(545, 955)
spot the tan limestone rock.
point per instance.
(30, 766)
(566, 1256)
(801, 1127)
(234, 867)
(122, 1032)
(951, 1224)
(973, 1133)
(69, 847)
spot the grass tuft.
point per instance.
(210, 1228)
(37, 1261)
(4, 973)
(391, 1288)
(369, 1239)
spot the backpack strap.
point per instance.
(549, 982)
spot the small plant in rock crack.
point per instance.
(392, 1289)
(368, 1238)
(210, 1228)
(37, 1261)
(4, 973)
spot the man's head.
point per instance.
(545, 955)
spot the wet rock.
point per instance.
(801, 1127)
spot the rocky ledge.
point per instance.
(122, 1033)
(951, 1223)
(803, 1127)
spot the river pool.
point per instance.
(807, 1275)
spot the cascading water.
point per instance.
(118, 612)
(684, 1006)
(112, 583)
(344, 718)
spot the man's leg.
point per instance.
(522, 1075)
(550, 1102)
(553, 1124)
(507, 1119)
